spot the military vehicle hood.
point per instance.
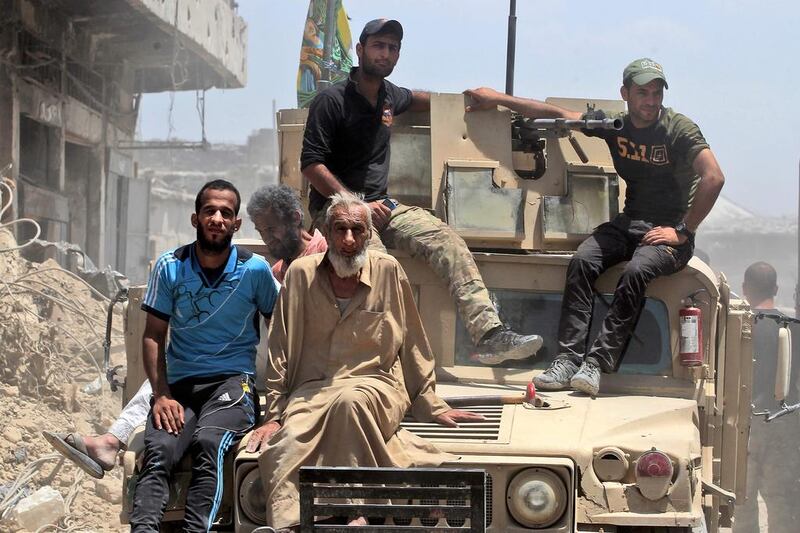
(574, 425)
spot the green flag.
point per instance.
(318, 63)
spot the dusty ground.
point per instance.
(51, 333)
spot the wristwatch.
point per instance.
(684, 230)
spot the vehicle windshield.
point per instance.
(648, 351)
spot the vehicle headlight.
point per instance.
(252, 500)
(536, 497)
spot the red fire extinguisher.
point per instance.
(690, 319)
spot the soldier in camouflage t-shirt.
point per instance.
(672, 179)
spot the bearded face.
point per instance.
(282, 235)
(213, 243)
(288, 247)
(216, 222)
(347, 266)
(347, 233)
(378, 56)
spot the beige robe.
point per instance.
(340, 383)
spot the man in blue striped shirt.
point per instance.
(209, 295)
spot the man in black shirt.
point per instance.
(774, 447)
(346, 147)
(673, 180)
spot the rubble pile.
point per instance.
(52, 327)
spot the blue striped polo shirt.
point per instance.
(213, 324)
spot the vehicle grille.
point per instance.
(458, 522)
(418, 497)
(485, 430)
(451, 522)
(489, 500)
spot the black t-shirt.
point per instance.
(351, 138)
(656, 164)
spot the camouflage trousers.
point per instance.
(417, 232)
(773, 471)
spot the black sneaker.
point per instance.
(557, 376)
(504, 344)
(587, 379)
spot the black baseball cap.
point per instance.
(374, 27)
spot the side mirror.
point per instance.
(784, 367)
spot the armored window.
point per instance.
(648, 351)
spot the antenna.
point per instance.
(512, 45)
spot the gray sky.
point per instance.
(732, 67)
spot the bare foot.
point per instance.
(360, 521)
(103, 449)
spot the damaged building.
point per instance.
(175, 176)
(72, 75)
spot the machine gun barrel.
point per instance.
(561, 127)
(784, 410)
(564, 124)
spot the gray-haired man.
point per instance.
(348, 358)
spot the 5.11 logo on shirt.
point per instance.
(656, 154)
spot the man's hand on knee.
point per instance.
(260, 436)
(452, 417)
(380, 214)
(168, 414)
(663, 235)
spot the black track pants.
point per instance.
(217, 412)
(612, 243)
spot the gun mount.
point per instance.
(529, 134)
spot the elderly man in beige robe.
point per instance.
(348, 359)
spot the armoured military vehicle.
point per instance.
(662, 448)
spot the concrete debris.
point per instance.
(108, 489)
(7, 239)
(12, 435)
(28, 424)
(51, 332)
(93, 387)
(20, 455)
(70, 398)
(83, 427)
(43, 507)
(53, 324)
(9, 391)
(5, 490)
(105, 423)
(5, 493)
